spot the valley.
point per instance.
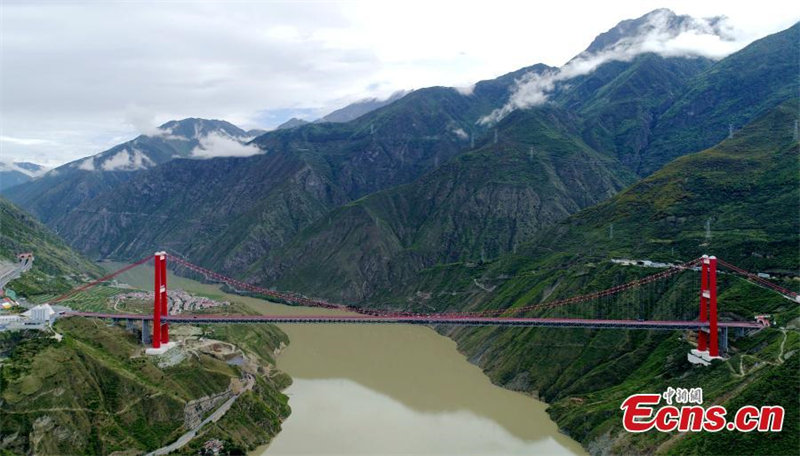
(482, 269)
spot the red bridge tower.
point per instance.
(160, 304)
(707, 338)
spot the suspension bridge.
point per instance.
(600, 309)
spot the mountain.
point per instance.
(31, 168)
(622, 102)
(15, 173)
(662, 21)
(585, 374)
(657, 108)
(252, 133)
(174, 139)
(347, 113)
(56, 267)
(647, 99)
(291, 123)
(731, 188)
(62, 189)
(246, 207)
(478, 205)
(359, 108)
(727, 95)
(462, 211)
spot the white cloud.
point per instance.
(143, 120)
(27, 141)
(217, 145)
(87, 164)
(8, 166)
(460, 133)
(465, 90)
(127, 160)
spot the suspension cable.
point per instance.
(754, 278)
(106, 278)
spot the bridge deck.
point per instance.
(427, 320)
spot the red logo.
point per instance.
(641, 415)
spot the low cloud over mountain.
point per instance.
(661, 32)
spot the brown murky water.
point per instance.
(364, 389)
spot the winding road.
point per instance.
(212, 418)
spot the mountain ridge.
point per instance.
(63, 188)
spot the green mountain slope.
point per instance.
(622, 102)
(732, 92)
(186, 205)
(476, 206)
(744, 190)
(56, 267)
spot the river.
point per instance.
(386, 389)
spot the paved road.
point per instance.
(214, 417)
(10, 271)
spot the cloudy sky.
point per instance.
(79, 77)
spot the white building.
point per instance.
(41, 313)
(6, 319)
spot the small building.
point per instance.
(41, 313)
(213, 446)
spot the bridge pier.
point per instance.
(145, 332)
(129, 326)
(723, 339)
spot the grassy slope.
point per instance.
(56, 267)
(739, 184)
(745, 187)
